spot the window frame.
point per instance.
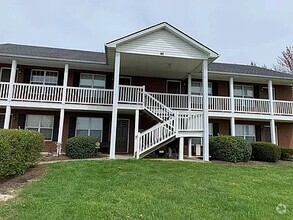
(126, 77)
(44, 77)
(176, 81)
(244, 135)
(39, 124)
(1, 70)
(210, 88)
(242, 91)
(92, 80)
(89, 127)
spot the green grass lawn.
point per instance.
(146, 189)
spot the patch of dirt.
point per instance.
(9, 185)
(50, 157)
(252, 162)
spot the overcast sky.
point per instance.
(240, 31)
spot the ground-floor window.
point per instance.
(247, 132)
(86, 126)
(41, 123)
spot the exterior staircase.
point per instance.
(172, 124)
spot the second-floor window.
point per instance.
(197, 88)
(5, 74)
(243, 91)
(247, 132)
(44, 77)
(88, 80)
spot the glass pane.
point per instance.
(32, 121)
(196, 88)
(96, 124)
(51, 78)
(47, 133)
(32, 129)
(86, 80)
(5, 75)
(210, 89)
(195, 141)
(239, 130)
(250, 130)
(96, 133)
(238, 91)
(81, 132)
(47, 121)
(99, 81)
(82, 123)
(248, 91)
(37, 76)
(211, 133)
(250, 138)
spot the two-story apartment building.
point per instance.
(147, 90)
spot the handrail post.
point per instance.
(143, 96)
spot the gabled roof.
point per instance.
(246, 69)
(52, 53)
(168, 27)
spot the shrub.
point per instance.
(19, 149)
(286, 154)
(228, 148)
(264, 151)
(81, 147)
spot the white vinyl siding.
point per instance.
(247, 132)
(197, 88)
(88, 80)
(44, 77)
(162, 41)
(86, 126)
(41, 123)
(243, 91)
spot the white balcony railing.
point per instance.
(135, 95)
(190, 121)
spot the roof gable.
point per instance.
(162, 34)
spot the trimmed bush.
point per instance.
(231, 149)
(81, 147)
(19, 150)
(286, 154)
(264, 151)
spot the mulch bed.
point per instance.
(12, 183)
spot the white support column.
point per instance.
(271, 96)
(181, 148)
(205, 84)
(189, 147)
(60, 131)
(7, 117)
(115, 106)
(65, 80)
(189, 92)
(136, 126)
(231, 91)
(10, 93)
(273, 131)
(232, 126)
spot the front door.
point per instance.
(174, 86)
(122, 135)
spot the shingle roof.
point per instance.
(53, 53)
(246, 69)
(90, 56)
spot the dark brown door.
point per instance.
(122, 136)
(173, 87)
(2, 118)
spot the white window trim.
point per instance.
(210, 85)
(244, 131)
(89, 130)
(45, 72)
(242, 88)
(92, 75)
(127, 77)
(39, 125)
(171, 80)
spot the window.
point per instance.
(197, 88)
(124, 80)
(174, 86)
(247, 132)
(243, 91)
(45, 77)
(199, 140)
(88, 80)
(5, 74)
(89, 127)
(41, 123)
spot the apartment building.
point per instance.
(149, 89)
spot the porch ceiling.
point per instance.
(157, 66)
